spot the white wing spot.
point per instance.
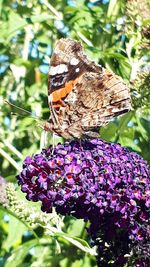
(74, 61)
(77, 70)
(50, 98)
(58, 69)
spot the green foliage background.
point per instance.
(115, 34)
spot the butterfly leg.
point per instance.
(53, 142)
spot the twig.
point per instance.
(13, 149)
(12, 161)
(84, 39)
(53, 10)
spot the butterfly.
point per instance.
(82, 95)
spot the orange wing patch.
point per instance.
(59, 95)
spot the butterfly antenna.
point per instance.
(25, 115)
(40, 122)
(20, 109)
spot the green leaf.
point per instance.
(19, 254)
(78, 242)
(17, 23)
(123, 121)
(128, 142)
(112, 8)
(108, 132)
(141, 128)
(76, 227)
(16, 230)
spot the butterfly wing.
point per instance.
(106, 97)
(82, 95)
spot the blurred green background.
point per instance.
(115, 34)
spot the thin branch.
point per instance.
(11, 160)
(53, 10)
(84, 39)
(28, 37)
(13, 149)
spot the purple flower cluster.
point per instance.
(97, 181)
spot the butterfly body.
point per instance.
(82, 95)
